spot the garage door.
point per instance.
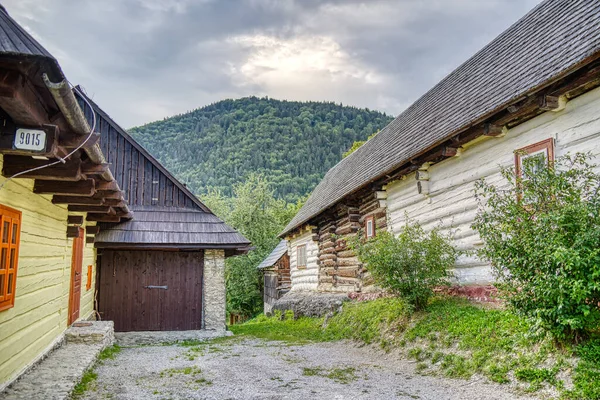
(151, 290)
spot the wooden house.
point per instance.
(276, 275)
(87, 215)
(534, 89)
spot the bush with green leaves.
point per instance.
(410, 264)
(541, 233)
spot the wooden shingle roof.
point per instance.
(170, 227)
(275, 255)
(551, 41)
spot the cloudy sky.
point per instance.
(143, 60)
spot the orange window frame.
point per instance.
(370, 219)
(547, 145)
(10, 236)
(301, 256)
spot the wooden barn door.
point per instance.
(76, 264)
(151, 290)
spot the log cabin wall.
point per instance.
(450, 203)
(305, 277)
(339, 268)
(143, 180)
(282, 269)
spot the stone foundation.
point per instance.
(310, 304)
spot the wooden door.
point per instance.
(151, 290)
(76, 265)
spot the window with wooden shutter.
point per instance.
(301, 256)
(369, 226)
(10, 230)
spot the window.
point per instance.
(301, 256)
(10, 229)
(369, 226)
(540, 154)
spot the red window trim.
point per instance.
(13, 217)
(547, 144)
(303, 266)
(372, 219)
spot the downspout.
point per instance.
(68, 105)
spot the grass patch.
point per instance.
(170, 372)
(339, 375)
(87, 381)
(109, 353)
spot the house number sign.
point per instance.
(30, 139)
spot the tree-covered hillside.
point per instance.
(291, 143)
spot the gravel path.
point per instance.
(256, 369)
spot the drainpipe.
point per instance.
(68, 105)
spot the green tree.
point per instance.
(542, 236)
(260, 217)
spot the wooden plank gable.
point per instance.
(144, 181)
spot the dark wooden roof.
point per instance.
(164, 227)
(551, 41)
(275, 255)
(16, 42)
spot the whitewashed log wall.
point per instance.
(451, 204)
(305, 278)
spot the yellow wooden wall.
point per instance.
(39, 315)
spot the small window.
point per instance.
(369, 226)
(301, 256)
(88, 284)
(541, 154)
(10, 229)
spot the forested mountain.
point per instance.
(291, 143)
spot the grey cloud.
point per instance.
(146, 59)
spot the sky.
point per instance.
(144, 60)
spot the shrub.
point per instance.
(542, 237)
(410, 264)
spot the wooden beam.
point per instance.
(94, 169)
(492, 130)
(104, 186)
(59, 199)
(69, 171)
(92, 230)
(103, 218)
(108, 194)
(90, 208)
(19, 100)
(89, 239)
(84, 187)
(75, 219)
(115, 203)
(72, 231)
(72, 141)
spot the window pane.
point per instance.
(10, 283)
(14, 233)
(3, 258)
(5, 230)
(11, 265)
(2, 285)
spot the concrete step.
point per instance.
(57, 374)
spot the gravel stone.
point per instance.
(255, 369)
